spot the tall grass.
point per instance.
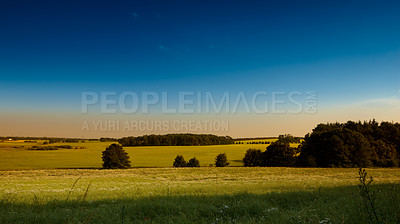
(240, 195)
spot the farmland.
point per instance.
(14, 155)
(199, 195)
(67, 186)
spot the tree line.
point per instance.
(350, 144)
(176, 140)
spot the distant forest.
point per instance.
(176, 140)
(49, 139)
(352, 144)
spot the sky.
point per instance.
(347, 53)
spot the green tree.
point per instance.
(193, 162)
(179, 161)
(253, 157)
(279, 154)
(385, 155)
(221, 160)
(115, 157)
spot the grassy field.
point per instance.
(46, 187)
(13, 155)
(195, 195)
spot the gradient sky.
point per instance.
(52, 51)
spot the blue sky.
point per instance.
(51, 51)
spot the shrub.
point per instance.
(221, 160)
(193, 162)
(65, 146)
(179, 161)
(115, 157)
(253, 157)
(43, 148)
(53, 140)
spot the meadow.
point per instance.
(68, 186)
(196, 195)
(14, 155)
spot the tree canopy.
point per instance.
(352, 144)
(115, 157)
(176, 140)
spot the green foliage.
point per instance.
(176, 140)
(54, 140)
(368, 196)
(43, 148)
(65, 146)
(179, 161)
(253, 157)
(115, 157)
(221, 160)
(352, 144)
(287, 138)
(279, 154)
(108, 140)
(385, 155)
(193, 162)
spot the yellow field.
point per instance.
(13, 155)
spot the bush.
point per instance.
(253, 157)
(193, 162)
(221, 160)
(179, 161)
(53, 140)
(43, 148)
(115, 157)
(65, 146)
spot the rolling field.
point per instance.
(66, 186)
(195, 195)
(13, 155)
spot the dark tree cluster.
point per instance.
(56, 147)
(108, 140)
(43, 148)
(258, 142)
(115, 157)
(277, 154)
(176, 140)
(221, 160)
(181, 162)
(256, 138)
(352, 144)
(287, 138)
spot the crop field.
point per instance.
(196, 195)
(67, 186)
(14, 155)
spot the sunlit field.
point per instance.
(14, 155)
(69, 186)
